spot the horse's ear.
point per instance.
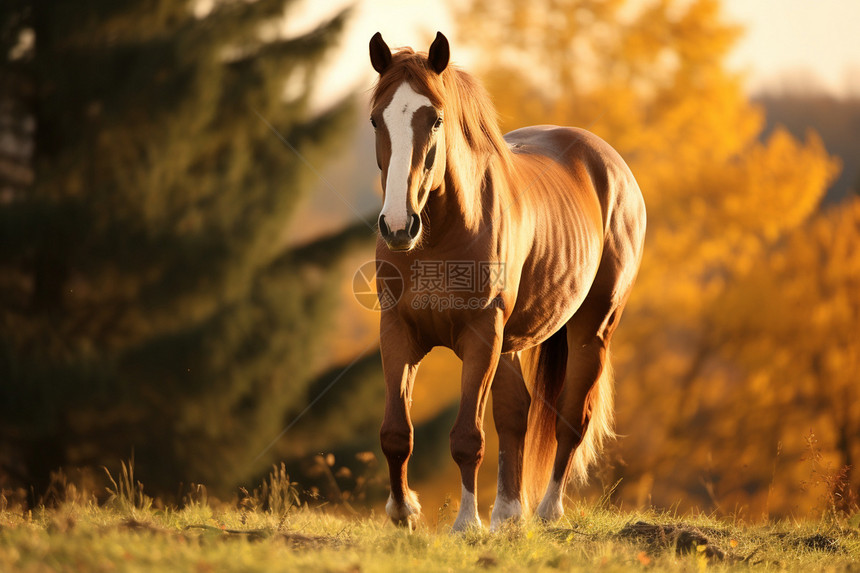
(380, 54)
(439, 53)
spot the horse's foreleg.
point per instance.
(510, 412)
(400, 365)
(479, 347)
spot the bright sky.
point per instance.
(816, 37)
(812, 36)
(401, 22)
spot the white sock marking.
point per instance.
(468, 514)
(551, 507)
(503, 510)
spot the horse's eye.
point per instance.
(438, 123)
(373, 122)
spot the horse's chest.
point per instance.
(437, 317)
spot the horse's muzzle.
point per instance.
(402, 239)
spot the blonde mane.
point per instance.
(470, 116)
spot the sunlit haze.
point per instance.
(816, 40)
(813, 40)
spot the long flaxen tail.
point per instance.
(544, 368)
(599, 418)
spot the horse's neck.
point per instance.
(465, 204)
(465, 177)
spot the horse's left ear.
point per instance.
(439, 53)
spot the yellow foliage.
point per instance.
(735, 285)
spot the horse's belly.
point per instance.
(557, 274)
(539, 314)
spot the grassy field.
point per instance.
(267, 531)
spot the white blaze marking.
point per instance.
(398, 119)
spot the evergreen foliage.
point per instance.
(148, 299)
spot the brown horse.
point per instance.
(520, 253)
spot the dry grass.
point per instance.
(266, 530)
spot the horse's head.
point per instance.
(410, 140)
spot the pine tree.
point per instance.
(149, 301)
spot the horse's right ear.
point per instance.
(380, 54)
(439, 53)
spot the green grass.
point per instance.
(128, 534)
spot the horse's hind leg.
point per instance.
(510, 412)
(585, 404)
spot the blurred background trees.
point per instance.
(163, 287)
(791, 325)
(149, 300)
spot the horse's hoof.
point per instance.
(466, 525)
(405, 514)
(409, 522)
(550, 511)
(512, 521)
(505, 512)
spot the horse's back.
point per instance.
(571, 146)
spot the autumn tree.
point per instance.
(653, 82)
(791, 323)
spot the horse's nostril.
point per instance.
(414, 225)
(383, 226)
